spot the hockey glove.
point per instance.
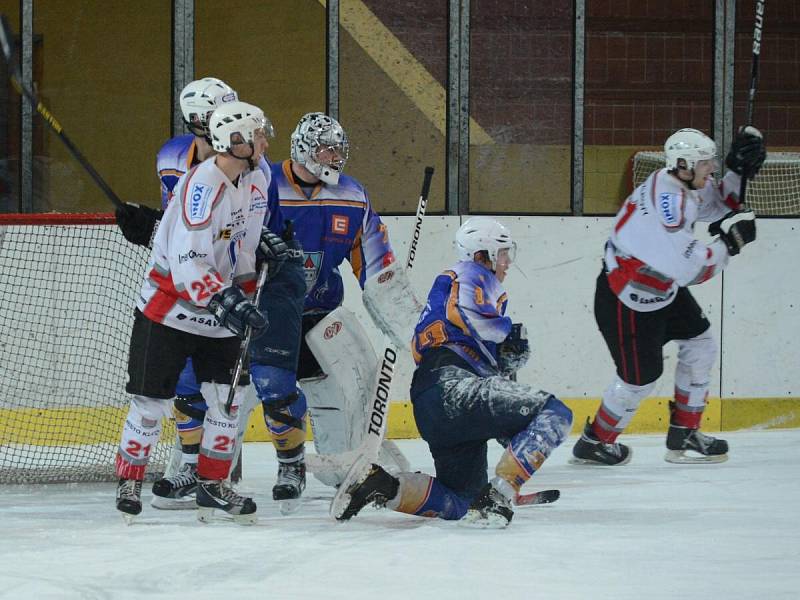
(747, 152)
(514, 351)
(235, 312)
(273, 249)
(138, 223)
(736, 229)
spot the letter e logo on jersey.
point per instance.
(340, 224)
(199, 198)
(670, 206)
(332, 329)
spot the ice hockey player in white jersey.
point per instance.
(642, 300)
(195, 303)
(466, 349)
(138, 223)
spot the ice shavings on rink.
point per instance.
(648, 530)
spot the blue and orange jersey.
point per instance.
(465, 313)
(333, 223)
(179, 154)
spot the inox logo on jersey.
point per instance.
(198, 200)
(667, 203)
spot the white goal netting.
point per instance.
(774, 192)
(68, 285)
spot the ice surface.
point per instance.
(645, 530)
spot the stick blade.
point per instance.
(5, 38)
(543, 497)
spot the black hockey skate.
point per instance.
(490, 509)
(376, 486)
(218, 495)
(690, 446)
(290, 485)
(129, 498)
(589, 450)
(178, 491)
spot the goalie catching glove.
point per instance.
(747, 152)
(736, 229)
(273, 249)
(138, 223)
(235, 312)
(513, 352)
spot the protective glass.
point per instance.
(507, 256)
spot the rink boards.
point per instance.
(752, 307)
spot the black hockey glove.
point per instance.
(747, 152)
(138, 223)
(273, 250)
(736, 229)
(514, 351)
(234, 311)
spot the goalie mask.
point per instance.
(234, 127)
(484, 234)
(691, 146)
(320, 144)
(199, 99)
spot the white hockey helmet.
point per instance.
(320, 144)
(233, 118)
(200, 98)
(484, 234)
(690, 145)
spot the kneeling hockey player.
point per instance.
(466, 349)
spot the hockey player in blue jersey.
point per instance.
(334, 221)
(178, 155)
(466, 349)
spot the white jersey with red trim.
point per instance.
(652, 249)
(206, 242)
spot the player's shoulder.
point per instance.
(201, 187)
(175, 148)
(669, 198)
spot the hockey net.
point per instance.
(774, 192)
(68, 285)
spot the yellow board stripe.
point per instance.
(403, 69)
(46, 427)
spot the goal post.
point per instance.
(775, 191)
(68, 287)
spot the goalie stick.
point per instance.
(376, 424)
(757, 35)
(16, 80)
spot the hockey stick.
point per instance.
(757, 34)
(542, 497)
(239, 366)
(16, 80)
(378, 418)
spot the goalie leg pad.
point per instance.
(339, 401)
(218, 444)
(140, 434)
(696, 357)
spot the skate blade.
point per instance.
(681, 457)
(596, 463)
(475, 520)
(128, 518)
(288, 507)
(185, 503)
(207, 515)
